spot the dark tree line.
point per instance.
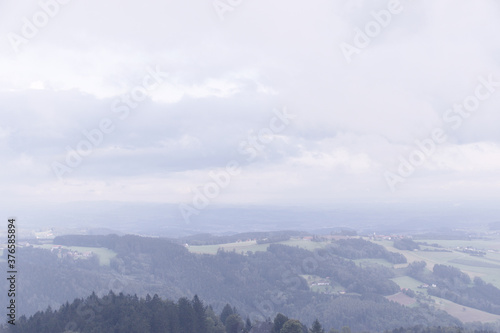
(357, 248)
(407, 244)
(130, 314)
(125, 313)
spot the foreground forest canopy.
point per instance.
(342, 281)
(129, 314)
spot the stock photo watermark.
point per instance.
(372, 29)
(93, 138)
(11, 270)
(221, 7)
(454, 118)
(48, 9)
(221, 178)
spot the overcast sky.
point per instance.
(221, 75)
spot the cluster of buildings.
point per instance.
(68, 253)
(425, 286)
(325, 282)
(471, 250)
(387, 237)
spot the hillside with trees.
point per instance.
(260, 284)
(452, 284)
(130, 314)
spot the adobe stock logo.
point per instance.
(39, 20)
(94, 138)
(453, 117)
(223, 6)
(372, 29)
(221, 178)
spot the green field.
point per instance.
(305, 244)
(238, 247)
(376, 261)
(483, 267)
(493, 244)
(474, 263)
(252, 246)
(407, 282)
(403, 299)
(464, 313)
(104, 254)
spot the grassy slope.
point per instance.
(105, 255)
(484, 267)
(252, 246)
(464, 313)
(488, 267)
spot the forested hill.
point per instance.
(130, 314)
(260, 284)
